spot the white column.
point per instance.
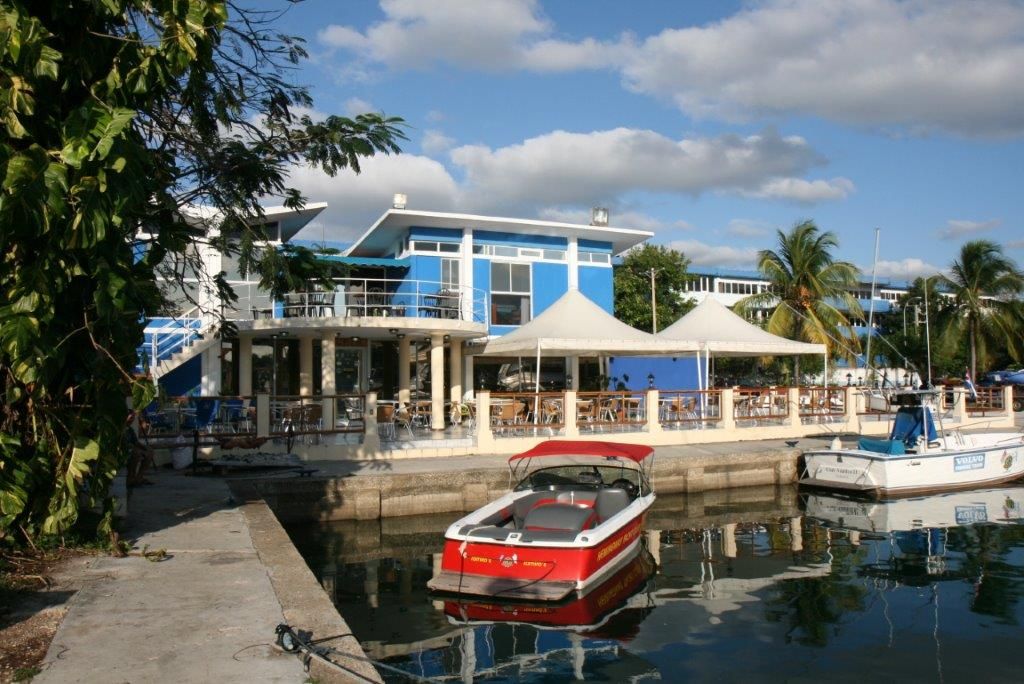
(573, 255)
(245, 366)
(209, 384)
(729, 540)
(305, 366)
(455, 370)
(466, 276)
(468, 365)
(437, 381)
(574, 371)
(403, 369)
(328, 386)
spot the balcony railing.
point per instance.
(365, 297)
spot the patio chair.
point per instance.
(462, 413)
(403, 418)
(236, 414)
(294, 304)
(386, 421)
(552, 409)
(158, 420)
(205, 413)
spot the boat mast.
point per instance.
(869, 362)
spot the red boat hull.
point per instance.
(533, 563)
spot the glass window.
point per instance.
(450, 273)
(505, 251)
(449, 247)
(554, 254)
(510, 293)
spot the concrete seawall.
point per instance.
(460, 487)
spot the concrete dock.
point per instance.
(207, 612)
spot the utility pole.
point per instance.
(654, 303)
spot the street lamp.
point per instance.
(650, 381)
(849, 379)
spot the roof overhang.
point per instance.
(393, 224)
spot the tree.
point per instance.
(809, 291)
(118, 114)
(985, 286)
(632, 283)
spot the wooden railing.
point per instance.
(689, 408)
(514, 413)
(618, 410)
(760, 405)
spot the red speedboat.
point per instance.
(575, 516)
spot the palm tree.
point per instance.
(985, 286)
(809, 290)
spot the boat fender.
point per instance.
(837, 444)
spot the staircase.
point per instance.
(170, 342)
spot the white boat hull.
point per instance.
(983, 459)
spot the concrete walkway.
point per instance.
(205, 614)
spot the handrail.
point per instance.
(367, 297)
(164, 337)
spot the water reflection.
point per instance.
(751, 584)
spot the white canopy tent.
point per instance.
(714, 329)
(576, 326)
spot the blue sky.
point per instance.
(712, 124)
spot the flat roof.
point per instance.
(394, 222)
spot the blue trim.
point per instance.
(594, 245)
(486, 237)
(440, 234)
(363, 261)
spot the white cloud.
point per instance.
(355, 105)
(745, 228)
(904, 269)
(957, 228)
(920, 65)
(703, 254)
(559, 174)
(618, 218)
(804, 191)
(356, 201)
(1015, 244)
(435, 142)
(483, 34)
(923, 64)
(591, 169)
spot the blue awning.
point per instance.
(364, 261)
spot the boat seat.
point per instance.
(558, 517)
(520, 507)
(890, 447)
(609, 502)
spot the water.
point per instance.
(750, 585)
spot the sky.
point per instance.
(712, 124)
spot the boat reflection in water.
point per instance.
(582, 614)
(746, 585)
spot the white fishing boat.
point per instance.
(916, 458)
(999, 506)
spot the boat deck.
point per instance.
(449, 582)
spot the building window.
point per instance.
(510, 293)
(450, 273)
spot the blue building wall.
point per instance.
(550, 281)
(670, 373)
(596, 284)
(184, 379)
(594, 245)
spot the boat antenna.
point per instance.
(871, 303)
(927, 331)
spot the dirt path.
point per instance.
(34, 591)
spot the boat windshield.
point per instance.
(581, 477)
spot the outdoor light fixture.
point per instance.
(399, 200)
(393, 331)
(400, 336)
(355, 339)
(568, 380)
(849, 379)
(447, 338)
(650, 381)
(599, 216)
